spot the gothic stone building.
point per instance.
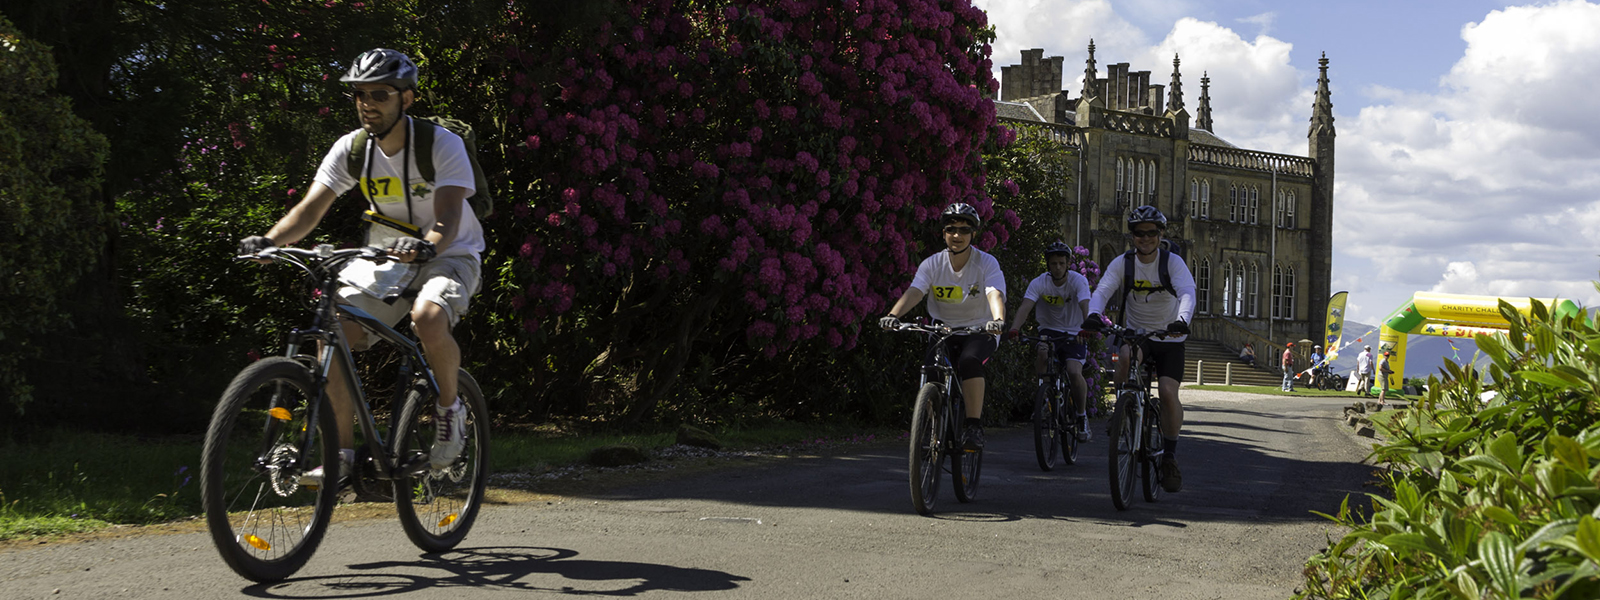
(1255, 227)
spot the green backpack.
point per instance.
(481, 202)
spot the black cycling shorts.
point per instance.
(1168, 358)
(968, 353)
(1068, 347)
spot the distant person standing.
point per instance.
(1288, 367)
(1364, 372)
(1383, 373)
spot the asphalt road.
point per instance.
(839, 526)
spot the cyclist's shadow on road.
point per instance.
(505, 568)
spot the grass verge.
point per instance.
(1276, 391)
(67, 482)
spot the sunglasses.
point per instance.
(1144, 233)
(958, 230)
(375, 96)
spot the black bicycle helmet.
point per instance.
(1146, 214)
(382, 65)
(1057, 248)
(961, 210)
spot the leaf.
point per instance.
(1507, 450)
(1417, 542)
(1544, 378)
(1589, 538)
(1487, 462)
(1500, 560)
(1500, 515)
(1551, 531)
(1569, 452)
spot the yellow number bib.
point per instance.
(949, 294)
(384, 190)
(1054, 300)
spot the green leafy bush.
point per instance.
(51, 218)
(1495, 489)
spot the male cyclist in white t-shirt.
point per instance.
(439, 232)
(1061, 297)
(965, 288)
(1152, 304)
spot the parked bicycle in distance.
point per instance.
(935, 424)
(1135, 428)
(274, 426)
(1055, 426)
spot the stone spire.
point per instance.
(1203, 120)
(1175, 91)
(1089, 74)
(1322, 108)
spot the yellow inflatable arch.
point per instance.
(1448, 315)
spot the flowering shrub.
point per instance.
(760, 173)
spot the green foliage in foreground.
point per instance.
(1489, 499)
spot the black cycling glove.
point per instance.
(1094, 322)
(254, 244)
(1178, 328)
(425, 249)
(889, 322)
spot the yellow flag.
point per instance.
(1335, 325)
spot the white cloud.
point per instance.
(1488, 184)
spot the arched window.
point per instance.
(1288, 211)
(1255, 205)
(1205, 199)
(1239, 291)
(1151, 200)
(1194, 198)
(1233, 204)
(1138, 185)
(1120, 184)
(1227, 288)
(1283, 292)
(1202, 286)
(1255, 290)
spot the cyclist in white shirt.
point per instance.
(965, 288)
(1150, 303)
(1062, 298)
(440, 235)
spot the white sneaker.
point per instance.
(313, 478)
(450, 435)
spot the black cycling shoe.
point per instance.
(1171, 478)
(972, 438)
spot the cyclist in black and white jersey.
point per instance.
(1061, 297)
(965, 288)
(1156, 297)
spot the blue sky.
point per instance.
(1467, 159)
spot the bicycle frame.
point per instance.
(326, 331)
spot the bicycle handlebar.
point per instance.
(1132, 334)
(321, 258)
(942, 330)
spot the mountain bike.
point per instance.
(935, 424)
(1055, 427)
(1135, 428)
(265, 507)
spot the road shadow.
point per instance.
(505, 568)
(1236, 463)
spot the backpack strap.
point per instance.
(422, 147)
(354, 160)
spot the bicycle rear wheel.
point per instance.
(926, 454)
(437, 507)
(1150, 469)
(264, 520)
(1124, 449)
(1046, 434)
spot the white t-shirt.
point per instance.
(960, 299)
(381, 179)
(1147, 308)
(1364, 362)
(1059, 307)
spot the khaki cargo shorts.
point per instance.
(448, 282)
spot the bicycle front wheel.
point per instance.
(265, 518)
(1046, 437)
(437, 507)
(1124, 447)
(1150, 470)
(926, 454)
